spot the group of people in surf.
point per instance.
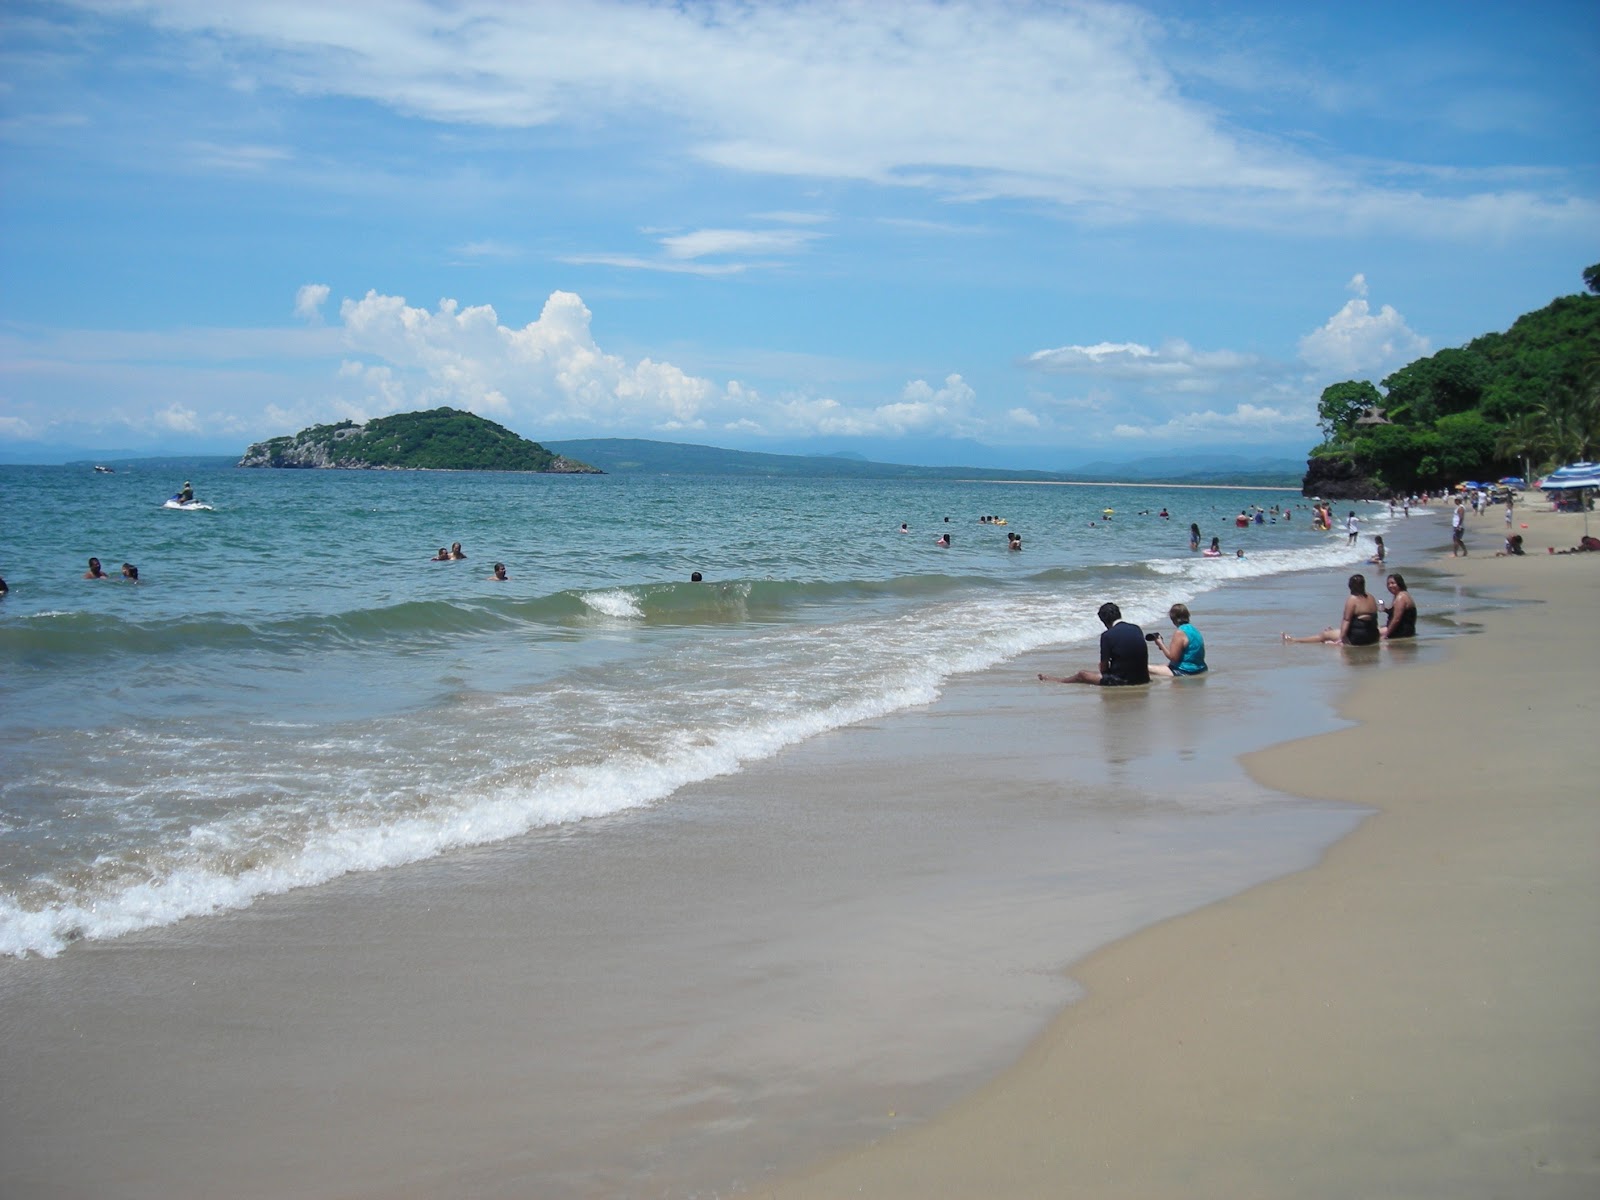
(96, 571)
(456, 554)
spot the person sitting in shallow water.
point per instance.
(1124, 654)
(1402, 610)
(1358, 626)
(1186, 653)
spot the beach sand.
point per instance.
(866, 939)
(1418, 1015)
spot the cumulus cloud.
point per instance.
(1356, 340)
(175, 418)
(552, 373)
(308, 302)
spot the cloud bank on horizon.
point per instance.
(1044, 229)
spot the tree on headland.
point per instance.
(1525, 399)
(1342, 404)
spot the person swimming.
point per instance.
(130, 572)
(456, 551)
(442, 556)
(94, 571)
(499, 572)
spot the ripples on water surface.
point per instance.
(295, 691)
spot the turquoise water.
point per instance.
(294, 691)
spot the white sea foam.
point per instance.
(613, 602)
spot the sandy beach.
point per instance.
(1418, 1015)
(1013, 943)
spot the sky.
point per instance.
(986, 233)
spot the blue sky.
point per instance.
(982, 233)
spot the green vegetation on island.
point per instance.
(442, 439)
(1512, 403)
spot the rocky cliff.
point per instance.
(1337, 479)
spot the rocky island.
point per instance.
(442, 439)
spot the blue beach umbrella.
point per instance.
(1574, 477)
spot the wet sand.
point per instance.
(1418, 1015)
(828, 949)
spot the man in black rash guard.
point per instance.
(1124, 654)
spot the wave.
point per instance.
(36, 638)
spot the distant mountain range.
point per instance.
(638, 456)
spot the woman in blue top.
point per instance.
(1186, 652)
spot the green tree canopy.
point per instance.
(1342, 404)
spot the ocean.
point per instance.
(294, 691)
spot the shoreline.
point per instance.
(1413, 1015)
(836, 944)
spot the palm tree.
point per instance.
(1524, 438)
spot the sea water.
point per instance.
(294, 691)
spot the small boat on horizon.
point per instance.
(99, 470)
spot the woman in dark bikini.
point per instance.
(1359, 624)
(1402, 610)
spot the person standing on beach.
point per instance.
(1458, 520)
(1124, 654)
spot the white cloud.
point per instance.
(552, 374)
(1357, 340)
(175, 418)
(1244, 423)
(308, 302)
(1072, 105)
(1173, 365)
(734, 241)
(16, 428)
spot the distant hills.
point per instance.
(441, 439)
(638, 456)
(448, 439)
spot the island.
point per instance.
(442, 439)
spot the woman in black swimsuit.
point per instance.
(1358, 626)
(1402, 610)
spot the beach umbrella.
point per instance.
(1574, 477)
